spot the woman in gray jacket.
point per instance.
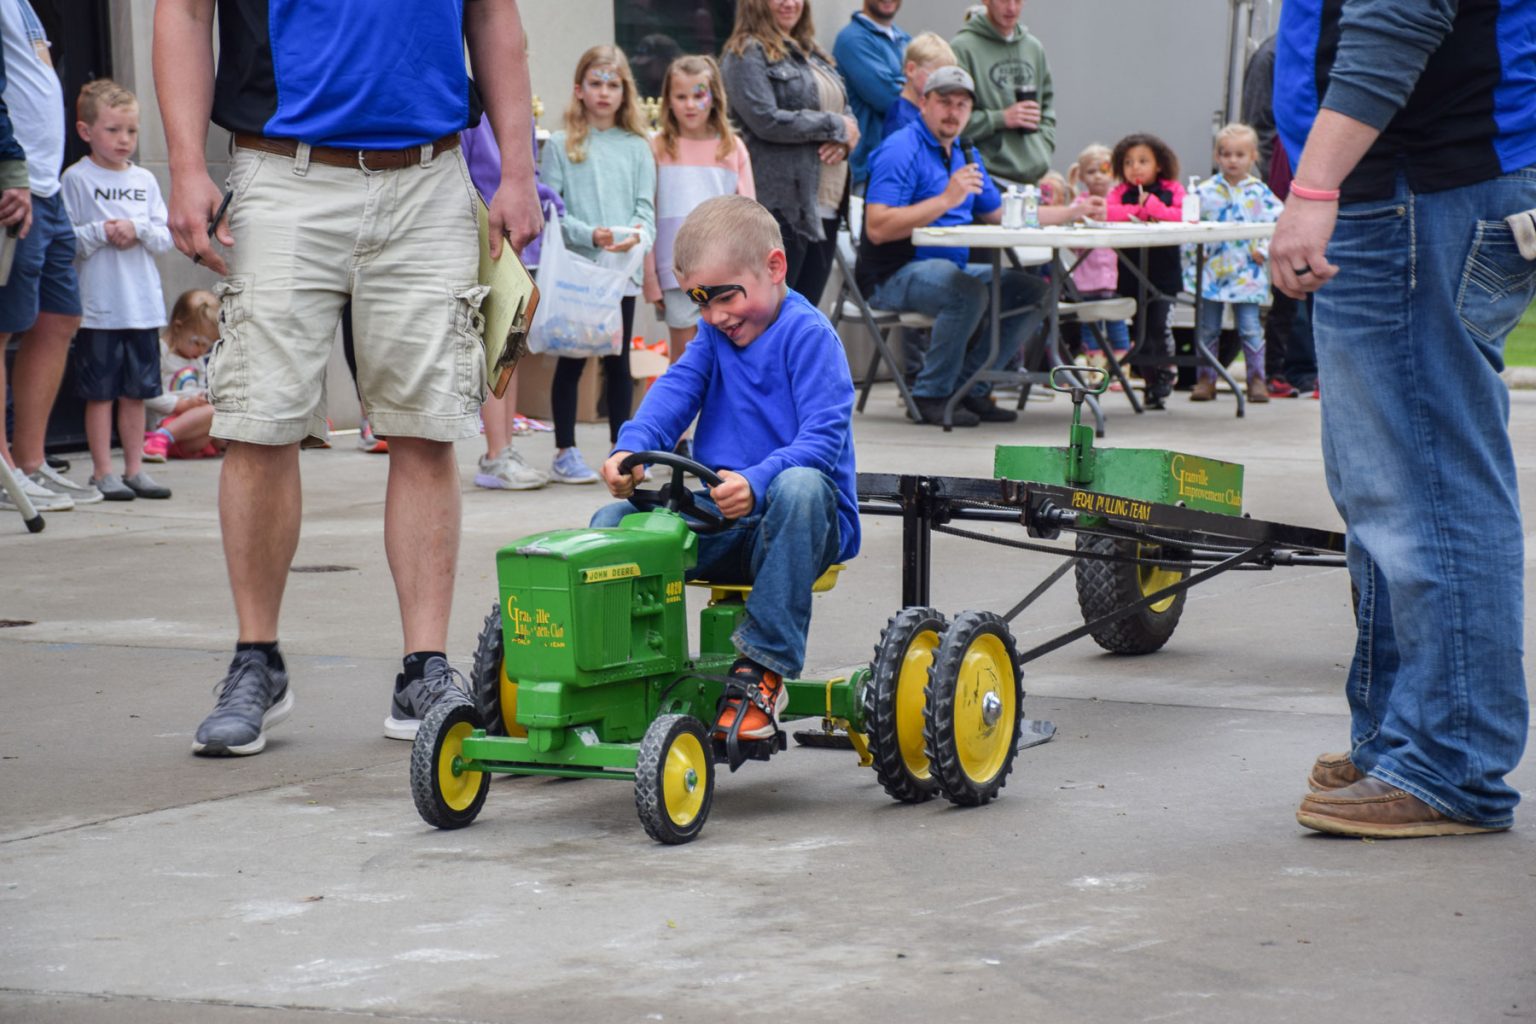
(798, 128)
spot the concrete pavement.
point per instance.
(1144, 865)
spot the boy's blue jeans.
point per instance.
(957, 299)
(1410, 342)
(789, 539)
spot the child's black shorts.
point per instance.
(111, 363)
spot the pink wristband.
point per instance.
(1316, 195)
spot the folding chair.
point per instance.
(852, 304)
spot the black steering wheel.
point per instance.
(677, 497)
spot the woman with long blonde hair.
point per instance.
(798, 127)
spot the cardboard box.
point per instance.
(535, 374)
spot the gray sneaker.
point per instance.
(81, 494)
(438, 683)
(252, 698)
(145, 486)
(112, 487)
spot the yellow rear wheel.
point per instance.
(974, 701)
(1105, 587)
(895, 698)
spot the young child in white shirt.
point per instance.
(120, 226)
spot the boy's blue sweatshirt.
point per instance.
(784, 400)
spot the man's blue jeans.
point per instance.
(788, 540)
(958, 301)
(1410, 340)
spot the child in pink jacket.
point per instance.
(1149, 190)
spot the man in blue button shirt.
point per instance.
(926, 176)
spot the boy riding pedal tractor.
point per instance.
(768, 381)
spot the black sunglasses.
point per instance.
(703, 295)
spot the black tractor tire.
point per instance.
(1104, 587)
(673, 815)
(485, 674)
(443, 799)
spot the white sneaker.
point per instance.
(48, 477)
(508, 471)
(42, 498)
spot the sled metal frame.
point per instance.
(1217, 543)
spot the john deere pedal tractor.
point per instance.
(584, 670)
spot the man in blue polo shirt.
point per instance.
(347, 184)
(926, 176)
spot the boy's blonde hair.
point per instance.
(627, 117)
(102, 94)
(197, 311)
(1237, 132)
(719, 110)
(732, 228)
(928, 49)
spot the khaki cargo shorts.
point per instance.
(402, 245)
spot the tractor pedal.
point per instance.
(747, 750)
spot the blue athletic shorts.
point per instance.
(116, 363)
(43, 272)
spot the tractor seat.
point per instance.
(738, 591)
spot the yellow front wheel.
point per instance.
(973, 714)
(447, 793)
(674, 779)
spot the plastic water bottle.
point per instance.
(1013, 208)
(1191, 211)
(1031, 206)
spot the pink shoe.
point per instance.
(156, 447)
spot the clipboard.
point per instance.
(507, 308)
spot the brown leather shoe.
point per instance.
(1332, 771)
(1204, 390)
(1258, 391)
(1373, 809)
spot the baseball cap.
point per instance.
(948, 79)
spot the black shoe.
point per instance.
(987, 409)
(1154, 401)
(932, 411)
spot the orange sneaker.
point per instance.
(762, 715)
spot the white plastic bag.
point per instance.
(579, 312)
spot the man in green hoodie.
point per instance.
(1014, 123)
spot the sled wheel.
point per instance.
(1105, 587)
(495, 694)
(674, 779)
(446, 795)
(974, 698)
(894, 699)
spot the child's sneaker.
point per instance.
(48, 478)
(366, 441)
(413, 700)
(253, 696)
(145, 486)
(157, 447)
(1279, 387)
(508, 472)
(762, 715)
(112, 487)
(570, 468)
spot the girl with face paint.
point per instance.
(698, 157)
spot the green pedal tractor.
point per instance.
(584, 667)
(583, 670)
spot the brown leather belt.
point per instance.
(365, 159)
